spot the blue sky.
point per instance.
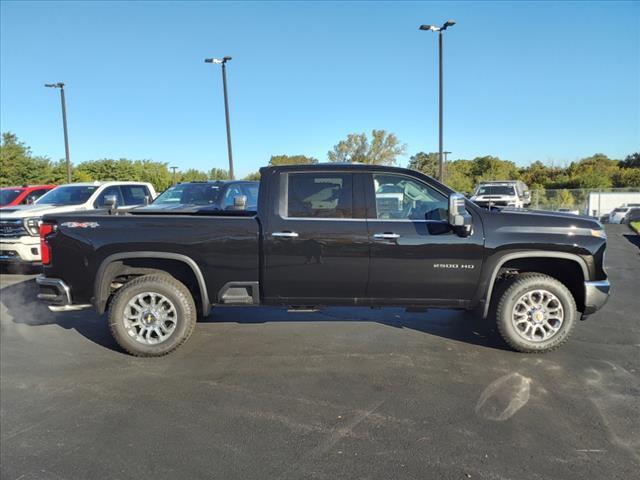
(550, 81)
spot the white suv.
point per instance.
(19, 226)
(619, 213)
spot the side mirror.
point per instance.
(31, 199)
(459, 218)
(146, 200)
(239, 203)
(111, 202)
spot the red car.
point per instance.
(12, 196)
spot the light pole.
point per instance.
(433, 28)
(174, 174)
(223, 62)
(445, 166)
(60, 85)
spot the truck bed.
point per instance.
(223, 245)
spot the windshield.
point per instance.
(190, 194)
(8, 195)
(495, 190)
(67, 195)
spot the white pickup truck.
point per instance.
(19, 226)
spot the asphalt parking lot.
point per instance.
(341, 393)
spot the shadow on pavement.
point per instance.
(19, 268)
(633, 238)
(22, 304)
(455, 325)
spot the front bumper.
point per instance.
(57, 294)
(20, 250)
(596, 295)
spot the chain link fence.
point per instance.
(595, 203)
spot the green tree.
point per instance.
(492, 168)
(18, 166)
(291, 160)
(538, 175)
(383, 149)
(627, 177)
(192, 175)
(426, 163)
(459, 176)
(592, 172)
(565, 199)
(253, 176)
(631, 161)
(219, 174)
(124, 169)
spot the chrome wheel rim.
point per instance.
(537, 315)
(150, 318)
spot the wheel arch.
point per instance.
(114, 265)
(532, 255)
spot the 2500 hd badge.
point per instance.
(377, 232)
(455, 266)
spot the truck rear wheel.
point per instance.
(152, 315)
(536, 313)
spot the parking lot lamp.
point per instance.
(433, 28)
(60, 85)
(223, 62)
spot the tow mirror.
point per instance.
(459, 218)
(111, 202)
(240, 202)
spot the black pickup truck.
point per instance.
(338, 234)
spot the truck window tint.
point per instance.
(8, 195)
(232, 192)
(134, 194)
(320, 195)
(36, 194)
(67, 195)
(113, 190)
(251, 191)
(190, 193)
(496, 190)
(401, 198)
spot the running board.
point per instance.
(302, 309)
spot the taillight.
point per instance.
(45, 251)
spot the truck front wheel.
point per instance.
(152, 315)
(536, 313)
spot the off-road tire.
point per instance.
(164, 285)
(513, 290)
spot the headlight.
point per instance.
(32, 225)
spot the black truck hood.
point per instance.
(540, 220)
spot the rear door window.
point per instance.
(134, 194)
(113, 190)
(320, 195)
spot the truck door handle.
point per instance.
(386, 236)
(285, 234)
